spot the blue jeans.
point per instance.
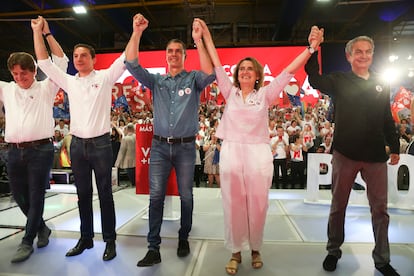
(29, 170)
(87, 155)
(163, 157)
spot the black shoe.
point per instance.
(151, 258)
(183, 248)
(43, 237)
(110, 251)
(387, 270)
(80, 247)
(329, 264)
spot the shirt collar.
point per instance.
(182, 73)
(91, 74)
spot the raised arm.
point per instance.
(209, 43)
(139, 24)
(55, 47)
(205, 61)
(315, 38)
(39, 44)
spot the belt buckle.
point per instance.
(169, 140)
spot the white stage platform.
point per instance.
(295, 237)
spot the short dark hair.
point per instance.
(176, 40)
(25, 60)
(321, 147)
(89, 47)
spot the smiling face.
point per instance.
(175, 55)
(360, 56)
(83, 60)
(23, 77)
(248, 73)
(23, 69)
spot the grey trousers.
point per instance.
(344, 172)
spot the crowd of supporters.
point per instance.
(294, 132)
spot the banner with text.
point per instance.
(142, 155)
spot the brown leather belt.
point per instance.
(173, 140)
(31, 144)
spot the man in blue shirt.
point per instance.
(176, 98)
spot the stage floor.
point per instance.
(294, 239)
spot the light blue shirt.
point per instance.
(175, 99)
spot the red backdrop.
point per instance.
(273, 59)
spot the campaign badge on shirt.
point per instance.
(253, 102)
(378, 88)
(180, 92)
(187, 90)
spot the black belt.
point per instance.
(31, 144)
(173, 140)
(88, 140)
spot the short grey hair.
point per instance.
(350, 44)
(130, 127)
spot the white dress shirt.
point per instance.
(29, 112)
(90, 97)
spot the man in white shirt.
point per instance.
(280, 147)
(29, 127)
(89, 93)
(62, 127)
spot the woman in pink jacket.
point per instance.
(246, 161)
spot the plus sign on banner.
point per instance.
(143, 145)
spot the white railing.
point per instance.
(402, 199)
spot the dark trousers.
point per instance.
(279, 163)
(198, 174)
(297, 173)
(29, 171)
(87, 155)
(131, 175)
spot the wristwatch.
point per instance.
(311, 50)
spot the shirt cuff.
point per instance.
(133, 62)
